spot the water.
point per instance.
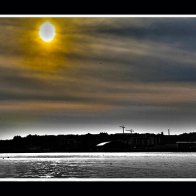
(98, 165)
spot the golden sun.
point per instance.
(47, 32)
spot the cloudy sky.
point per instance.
(97, 74)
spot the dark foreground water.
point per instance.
(98, 165)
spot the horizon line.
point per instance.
(162, 133)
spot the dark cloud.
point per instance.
(177, 31)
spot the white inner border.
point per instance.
(95, 15)
(97, 179)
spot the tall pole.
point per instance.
(123, 127)
(168, 132)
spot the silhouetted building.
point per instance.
(143, 140)
(186, 146)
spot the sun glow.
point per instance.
(47, 32)
(45, 45)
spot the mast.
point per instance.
(123, 127)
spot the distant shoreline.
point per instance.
(102, 142)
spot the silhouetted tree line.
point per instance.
(89, 142)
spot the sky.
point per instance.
(97, 74)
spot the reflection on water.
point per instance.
(98, 165)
